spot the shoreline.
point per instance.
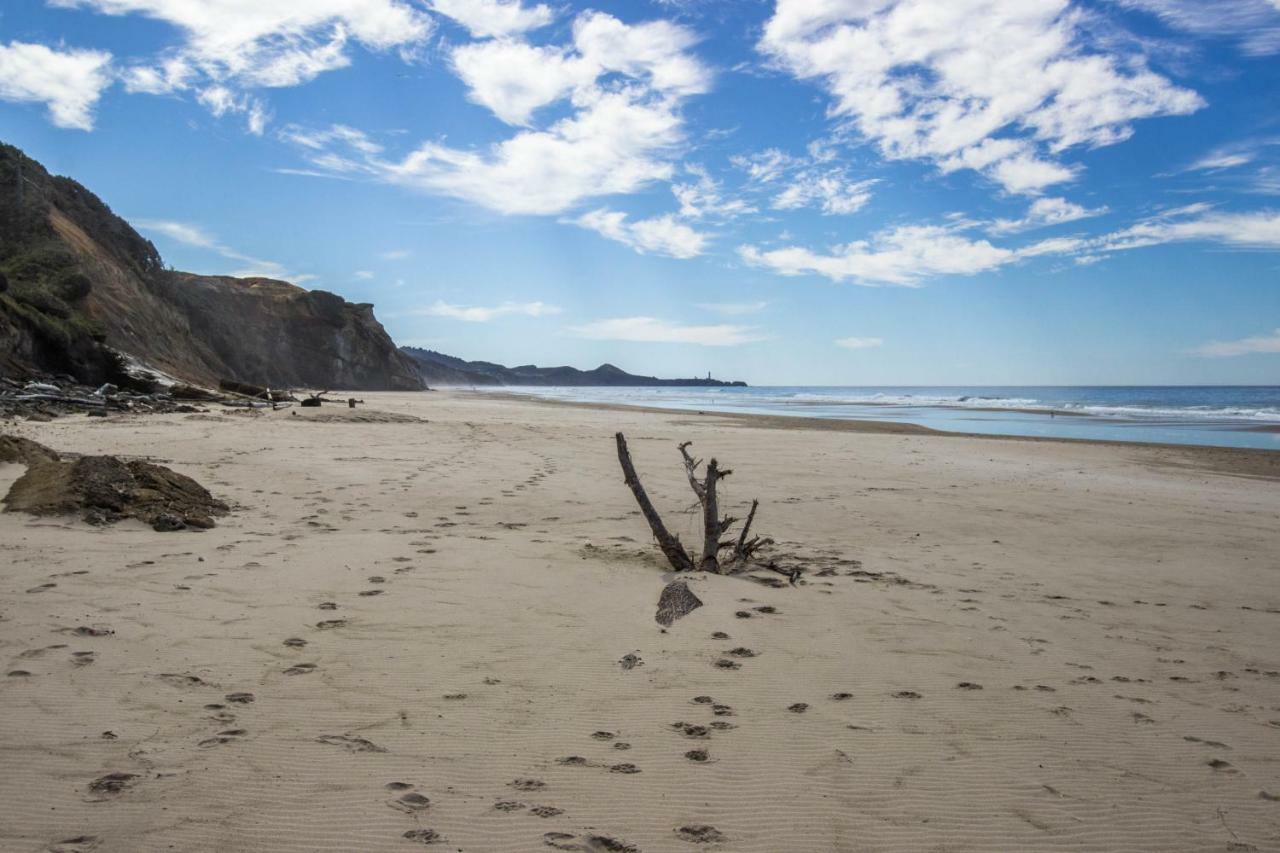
(1236, 461)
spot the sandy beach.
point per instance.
(409, 631)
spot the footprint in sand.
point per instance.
(295, 642)
(509, 806)
(112, 784)
(546, 811)
(841, 697)
(300, 669)
(82, 658)
(725, 663)
(79, 844)
(240, 698)
(410, 803)
(698, 755)
(692, 731)
(331, 623)
(624, 768)
(424, 836)
(527, 784)
(588, 843)
(700, 834)
(906, 694)
(351, 743)
(798, 707)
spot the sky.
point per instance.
(840, 192)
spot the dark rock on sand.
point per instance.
(676, 601)
(104, 490)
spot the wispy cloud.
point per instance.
(859, 343)
(193, 235)
(479, 314)
(661, 235)
(1254, 23)
(395, 254)
(488, 18)
(229, 47)
(653, 330)
(1245, 346)
(733, 308)
(898, 256)
(1044, 212)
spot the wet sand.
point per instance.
(440, 634)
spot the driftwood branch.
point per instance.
(713, 526)
(676, 555)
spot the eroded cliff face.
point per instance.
(78, 282)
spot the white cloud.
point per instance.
(1247, 230)
(236, 45)
(362, 275)
(619, 136)
(1045, 212)
(475, 314)
(859, 343)
(703, 198)
(1255, 23)
(906, 255)
(832, 192)
(795, 182)
(652, 330)
(1245, 346)
(194, 235)
(734, 308)
(899, 256)
(395, 254)
(1001, 86)
(69, 82)
(487, 18)
(660, 235)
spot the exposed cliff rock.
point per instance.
(440, 369)
(78, 283)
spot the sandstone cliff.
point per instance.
(78, 283)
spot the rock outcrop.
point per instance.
(439, 369)
(78, 285)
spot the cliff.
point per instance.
(440, 369)
(78, 284)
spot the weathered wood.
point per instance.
(691, 470)
(711, 518)
(676, 600)
(675, 553)
(740, 551)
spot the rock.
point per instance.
(103, 490)
(676, 601)
(14, 448)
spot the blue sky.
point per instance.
(816, 192)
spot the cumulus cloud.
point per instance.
(660, 235)
(653, 330)
(476, 314)
(1245, 346)
(859, 343)
(620, 134)
(1044, 212)
(999, 86)
(68, 82)
(231, 46)
(488, 18)
(1255, 24)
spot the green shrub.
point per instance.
(73, 286)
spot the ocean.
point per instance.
(1222, 416)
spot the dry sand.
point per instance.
(1023, 645)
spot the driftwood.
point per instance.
(713, 526)
(677, 556)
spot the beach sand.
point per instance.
(410, 626)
